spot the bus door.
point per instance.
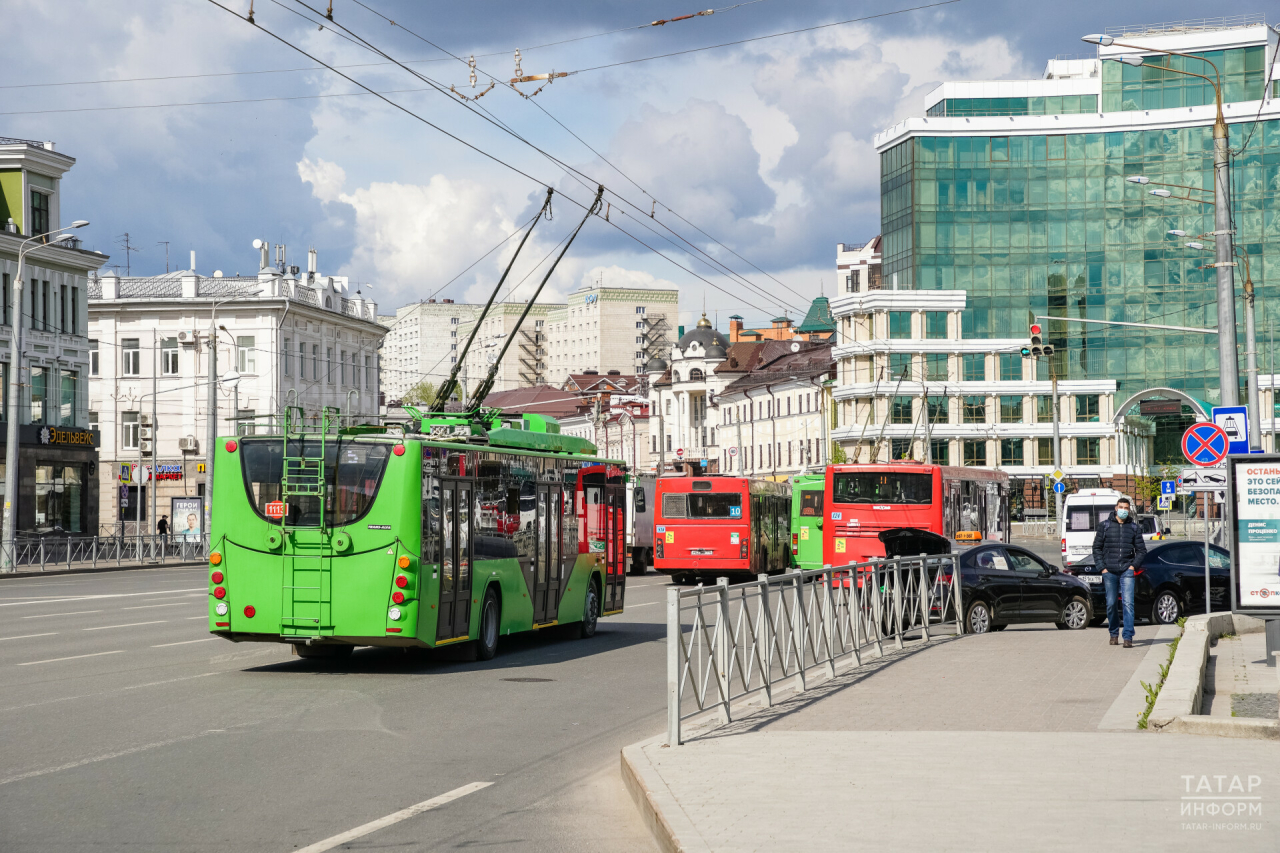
(547, 559)
(455, 559)
(615, 575)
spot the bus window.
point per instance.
(715, 505)
(352, 472)
(811, 504)
(866, 487)
(593, 501)
(430, 516)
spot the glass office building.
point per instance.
(1031, 214)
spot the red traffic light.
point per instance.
(1035, 328)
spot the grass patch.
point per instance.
(1154, 691)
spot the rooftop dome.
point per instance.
(706, 336)
(655, 365)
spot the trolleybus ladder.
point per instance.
(307, 589)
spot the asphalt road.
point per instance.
(124, 725)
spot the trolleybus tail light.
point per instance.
(402, 581)
(231, 447)
(397, 597)
(249, 610)
(403, 562)
(222, 624)
(216, 577)
(398, 450)
(220, 608)
(219, 592)
(215, 558)
(393, 630)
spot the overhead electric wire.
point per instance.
(574, 172)
(582, 178)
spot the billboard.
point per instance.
(1255, 552)
(186, 517)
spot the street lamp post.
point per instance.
(211, 427)
(1228, 376)
(7, 556)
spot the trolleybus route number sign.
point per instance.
(275, 509)
(1205, 444)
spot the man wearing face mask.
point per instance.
(1117, 548)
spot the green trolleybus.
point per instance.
(452, 530)
(806, 520)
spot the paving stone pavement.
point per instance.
(1237, 664)
(976, 743)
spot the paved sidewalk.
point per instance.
(981, 743)
(1237, 664)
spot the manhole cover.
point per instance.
(527, 680)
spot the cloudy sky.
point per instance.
(759, 155)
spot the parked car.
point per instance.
(1004, 584)
(1151, 529)
(1168, 583)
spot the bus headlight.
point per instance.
(220, 608)
(394, 614)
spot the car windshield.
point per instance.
(888, 487)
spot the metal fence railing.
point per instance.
(727, 644)
(89, 552)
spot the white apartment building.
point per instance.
(609, 328)
(772, 420)
(422, 345)
(525, 362)
(57, 451)
(292, 338)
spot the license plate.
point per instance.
(702, 552)
(1091, 578)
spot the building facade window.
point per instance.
(853, 282)
(39, 213)
(935, 325)
(94, 366)
(1087, 451)
(244, 422)
(1010, 451)
(940, 450)
(370, 381)
(1044, 451)
(1010, 410)
(8, 299)
(975, 410)
(1087, 408)
(1044, 409)
(938, 410)
(935, 367)
(39, 394)
(900, 448)
(129, 430)
(342, 367)
(315, 362)
(899, 366)
(67, 398)
(899, 325)
(902, 410)
(975, 453)
(1010, 367)
(169, 356)
(355, 370)
(974, 367)
(130, 357)
(328, 364)
(246, 355)
(286, 357)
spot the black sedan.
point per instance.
(1168, 583)
(1004, 584)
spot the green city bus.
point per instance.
(806, 520)
(447, 531)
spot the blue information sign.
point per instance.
(1168, 487)
(1059, 487)
(1234, 421)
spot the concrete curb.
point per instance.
(1124, 712)
(1183, 690)
(1239, 727)
(659, 808)
(92, 571)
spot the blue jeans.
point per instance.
(1116, 583)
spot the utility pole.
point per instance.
(123, 242)
(165, 243)
(155, 440)
(662, 441)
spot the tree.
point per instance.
(838, 456)
(424, 393)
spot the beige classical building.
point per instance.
(610, 328)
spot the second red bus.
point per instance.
(707, 527)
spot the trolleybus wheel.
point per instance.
(329, 650)
(590, 612)
(487, 644)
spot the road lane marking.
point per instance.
(146, 606)
(205, 617)
(104, 692)
(82, 762)
(76, 613)
(634, 606)
(29, 636)
(185, 642)
(393, 818)
(73, 657)
(13, 603)
(130, 625)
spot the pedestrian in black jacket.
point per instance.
(1117, 548)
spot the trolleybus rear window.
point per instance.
(352, 473)
(715, 505)
(890, 487)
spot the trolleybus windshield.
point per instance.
(890, 487)
(352, 473)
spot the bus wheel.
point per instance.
(590, 612)
(487, 644)
(323, 651)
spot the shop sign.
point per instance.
(169, 471)
(54, 436)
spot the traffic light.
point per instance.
(1038, 348)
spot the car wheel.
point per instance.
(978, 618)
(1166, 609)
(590, 612)
(487, 644)
(1075, 615)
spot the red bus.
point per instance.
(864, 500)
(714, 526)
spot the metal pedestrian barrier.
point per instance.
(727, 644)
(47, 553)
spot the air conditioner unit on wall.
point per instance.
(146, 447)
(145, 433)
(185, 337)
(189, 443)
(144, 419)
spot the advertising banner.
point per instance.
(187, 516)
(1255, 557)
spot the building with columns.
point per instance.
(681, 392)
